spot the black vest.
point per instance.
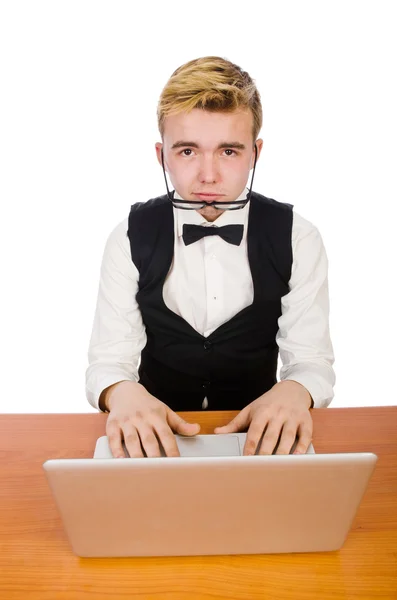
(236, 363)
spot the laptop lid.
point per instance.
(209, 505)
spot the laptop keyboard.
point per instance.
(212, 445)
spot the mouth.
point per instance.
(208, 196)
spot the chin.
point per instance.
(210, 211)
(211, 216)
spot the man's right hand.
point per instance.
(138, 417)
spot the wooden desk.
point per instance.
(36, 561)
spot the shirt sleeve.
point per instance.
(118, 333)
(303, 337)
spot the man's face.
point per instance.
(208, 155)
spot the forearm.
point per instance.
(317, 377)
(102, 376)
(118, 333)
(297, 390)
(105, 398)
(303, 338)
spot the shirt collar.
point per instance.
(228, 217)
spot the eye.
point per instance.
(188, 152)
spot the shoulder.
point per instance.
(119, 231)
(301, 225)
(303, 228)
(273, 205)
(307, 243)
(117, 241)
(150, 205)
(304, 233)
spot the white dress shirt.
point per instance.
(209, 282)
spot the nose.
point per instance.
(209, 172)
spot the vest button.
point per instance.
(206, 384)
(207, 345)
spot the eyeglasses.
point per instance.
(197, 205)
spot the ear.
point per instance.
(159, 147)
(259, 146)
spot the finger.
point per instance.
(114, 434)
(180, 426)
(167, 438)
(271, 437)
(132, 442)
(149, 441)
(254, 435)
(287, 438)
(305, 433)
(240, 421)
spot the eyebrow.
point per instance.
(183, 144)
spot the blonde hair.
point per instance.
(210, 83)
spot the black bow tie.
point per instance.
(230, 233)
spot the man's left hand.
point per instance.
(284, 410)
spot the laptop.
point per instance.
(209, 501)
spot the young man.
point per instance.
(206, 284)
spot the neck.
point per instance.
(210, 214)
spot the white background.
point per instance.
(80, 81)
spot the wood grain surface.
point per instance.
(36, 561)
